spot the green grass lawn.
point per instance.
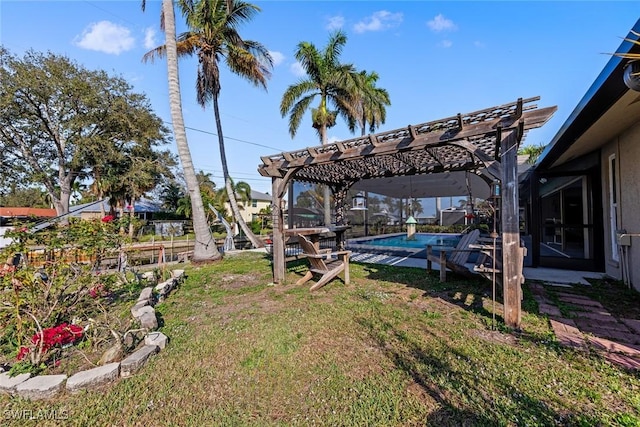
(393, 348)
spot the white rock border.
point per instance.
(49, 386)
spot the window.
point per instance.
(254, 203)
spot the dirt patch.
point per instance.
(494, 337)
(239, 281)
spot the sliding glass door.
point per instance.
(567, 237)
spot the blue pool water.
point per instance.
(398, 245)
(420, 241)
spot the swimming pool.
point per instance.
(398, 244)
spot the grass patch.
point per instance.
(395, 347)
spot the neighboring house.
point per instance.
(249, 211)
(12, 215)
(582, 197)
(143, 209)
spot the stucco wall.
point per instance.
(627, 151)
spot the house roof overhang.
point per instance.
(465, 142)
(607, 109)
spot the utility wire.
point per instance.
(228, 137)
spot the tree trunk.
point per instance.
(132, 215)
(205, 246)
(255, 242)
(327, 190)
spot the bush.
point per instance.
(56, 292)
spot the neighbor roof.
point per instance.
(21, 212)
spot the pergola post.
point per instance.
(511, 250)
(278, 230)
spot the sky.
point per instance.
(436, 59)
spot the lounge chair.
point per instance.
(457, 257)
(323, 262)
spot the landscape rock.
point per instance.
(156, 338)
(93, 377)
(165, 287)
(136, 360)
(138, 310)
(41, 387)
(148, 321)
(146, 295)
(113, 354)
(9, 384)
(149, 276)
(177, 274)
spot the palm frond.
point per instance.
(297, 113)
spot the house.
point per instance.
(143, 209)
(12, 215)
(250, 211)
(582, 197)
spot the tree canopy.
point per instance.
(60, 123)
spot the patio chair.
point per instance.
(323, 262)
(457, 258)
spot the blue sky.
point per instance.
(436, 59)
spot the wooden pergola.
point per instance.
(484, 142)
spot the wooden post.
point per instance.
(511, 267)
(278, 231)
(429, 254)
(443, 266)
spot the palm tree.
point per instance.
(204, 248)
(241, 190)
(370, 102)
(533, 151)
(213, 35)
(328, 80)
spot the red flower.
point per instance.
(97, 291)
(57, 335)
(108, 218)
(22, 353)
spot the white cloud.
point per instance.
(479, 44)
(440, 23)
(150, 38)
(277, 57)
(297, 70)
(446, 43)
(380, 20)
(333, 139)
(106, 37)
(335, 22)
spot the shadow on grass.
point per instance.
(458, 291)
(464, 399)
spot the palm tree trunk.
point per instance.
(327, 190)
(205, 246)
(255, 242)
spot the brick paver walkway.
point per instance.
(591, 327)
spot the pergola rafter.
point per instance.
(483, 142)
